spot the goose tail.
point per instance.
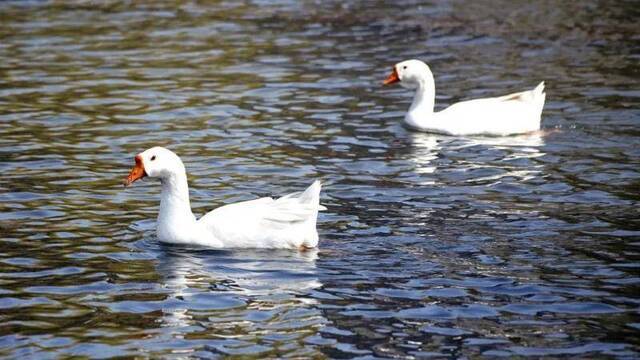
(539, 95)
(311, 196)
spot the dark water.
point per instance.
(431, 245)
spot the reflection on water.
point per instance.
(427, 150)
(432, 246)
(255, 291)
(253, 272)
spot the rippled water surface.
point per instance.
(431, 245)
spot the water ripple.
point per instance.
(432, 246)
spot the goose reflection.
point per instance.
(212, 280)
(513, 154)
(425, 151)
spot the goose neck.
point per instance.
(424, 99)
(175, 198)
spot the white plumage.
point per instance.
(505, 115)
(287, 222)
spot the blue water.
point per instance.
(432, 246)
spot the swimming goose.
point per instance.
(505, 115)
(288, 222)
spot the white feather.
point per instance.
(288, 222)
(505, 115)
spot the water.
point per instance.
(431, 245)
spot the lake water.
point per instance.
(432, 246)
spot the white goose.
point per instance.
(288, 222)
(510, 114)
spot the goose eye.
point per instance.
(405, 67)
(153, 157)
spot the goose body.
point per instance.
(516, 113)
(287, 222)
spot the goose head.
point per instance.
(410, 74)
(156, 162)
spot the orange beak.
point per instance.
(136, 173)
(393, 78)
